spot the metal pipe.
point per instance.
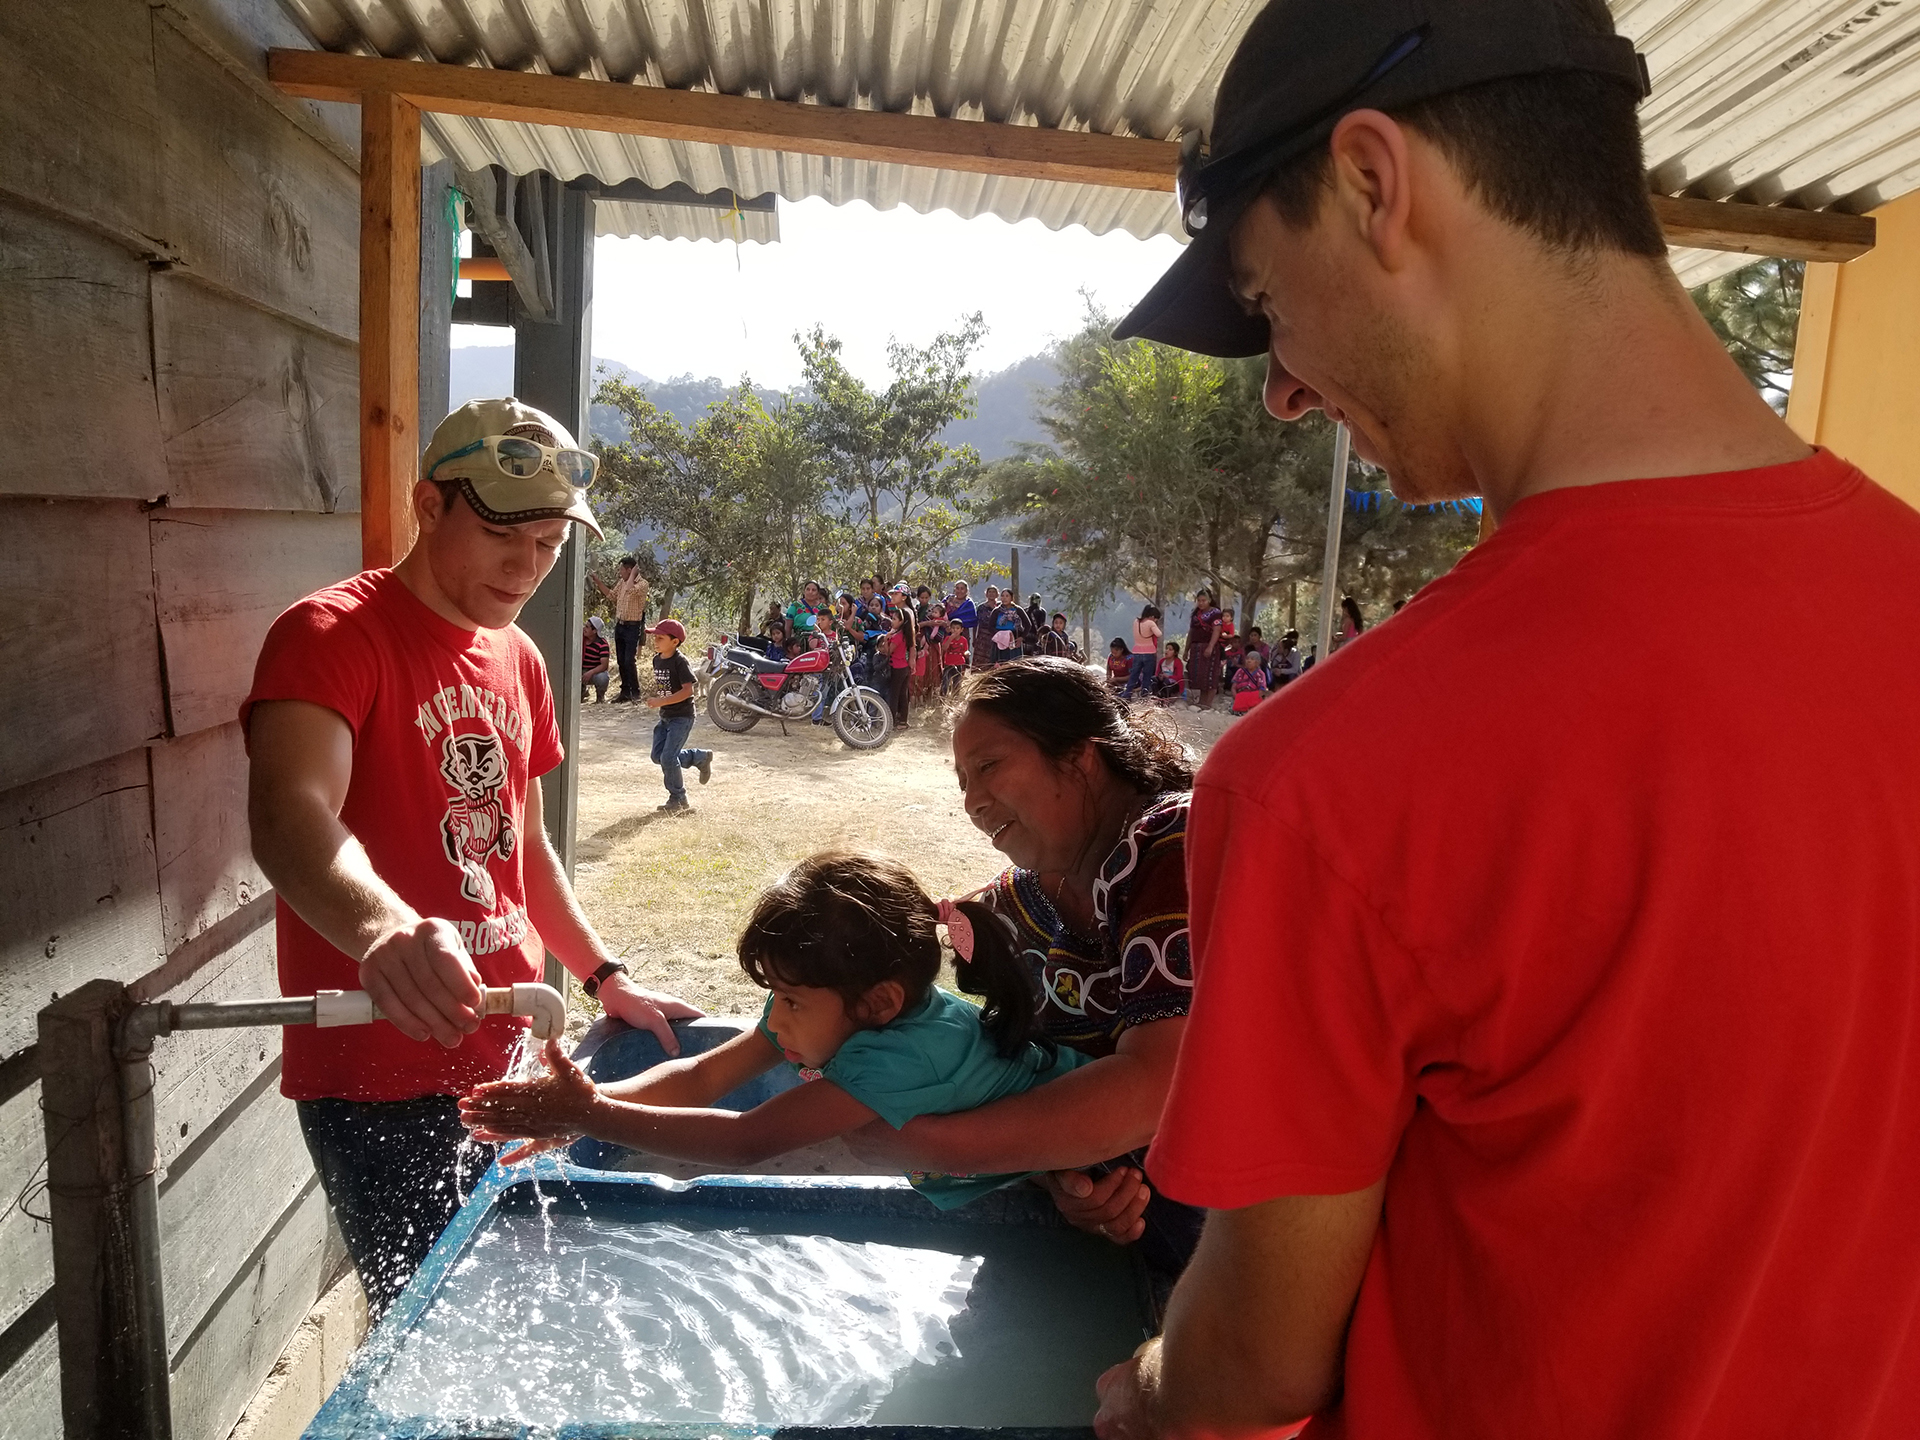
(1330, 573)
(232, 1014)
(149, 1337)
(133, 1051)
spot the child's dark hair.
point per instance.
(847, 921)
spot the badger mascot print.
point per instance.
(476, 826)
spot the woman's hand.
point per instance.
(1111, 1206)
(555, 1108)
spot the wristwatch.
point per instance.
(592, 983)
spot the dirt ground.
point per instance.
(669, 893)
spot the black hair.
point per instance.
(1060, 705)
(847, 921)
(1557, 154)
(1206, 590)
(1150, 612)
(1352, 607)
(1117, 645)
(629, 561)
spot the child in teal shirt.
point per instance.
(848, 947)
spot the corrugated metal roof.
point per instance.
(684, 222)
(1814, 103)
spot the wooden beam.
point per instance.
(974, 146)
(389, 325)
(978, 147)
(1764, 229)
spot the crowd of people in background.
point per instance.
(1215, 660)
(912, 643)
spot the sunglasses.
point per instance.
(1202, 180)
(522, 458)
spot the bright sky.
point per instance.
(674, 307)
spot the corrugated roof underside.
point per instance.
(1814, 103)
(684, 222)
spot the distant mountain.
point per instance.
(1004, 405)
(1004, 401)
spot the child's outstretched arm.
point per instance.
(564, 1103)
(699, 1079)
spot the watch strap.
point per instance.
(593, 982)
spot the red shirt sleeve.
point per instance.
(317, 653)
(1297, 1068)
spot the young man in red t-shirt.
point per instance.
(398, 727)
(1580, 1094)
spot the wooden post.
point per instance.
(389, 326)
(105, 1390)
(1013, 574)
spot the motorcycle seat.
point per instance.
(760, 664)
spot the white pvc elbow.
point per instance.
(540, 1002)
(544, 1004)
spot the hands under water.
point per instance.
(549, 1111)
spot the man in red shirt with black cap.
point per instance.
(1580, 1095)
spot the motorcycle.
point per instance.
(744, 687)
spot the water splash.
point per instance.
(572, 1322)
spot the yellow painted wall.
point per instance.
(1856, 368)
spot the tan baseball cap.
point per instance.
(537, 474)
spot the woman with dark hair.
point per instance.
(1090, 805)
(808, 612)
(1205, 632)
(1351, 625)
(1145, 654)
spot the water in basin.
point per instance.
(587, 1319)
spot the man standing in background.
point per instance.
(629, 600)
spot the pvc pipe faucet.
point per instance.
(541, 1002)
(328, 1008)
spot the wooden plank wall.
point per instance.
(178, 256)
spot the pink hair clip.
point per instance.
(959, 929)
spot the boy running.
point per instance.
(673, 677)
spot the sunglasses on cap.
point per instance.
(1200, 180)
(521, 458)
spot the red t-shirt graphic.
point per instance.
(448, 727)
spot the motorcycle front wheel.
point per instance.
(863, 721)
(727, 705)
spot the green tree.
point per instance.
(1116, 498)
(1266, 498)
(1756, 313)
(1164, 467)
(736, 500)
(904, 492)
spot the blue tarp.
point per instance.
(1362, 500)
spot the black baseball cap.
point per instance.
(1301, 66)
